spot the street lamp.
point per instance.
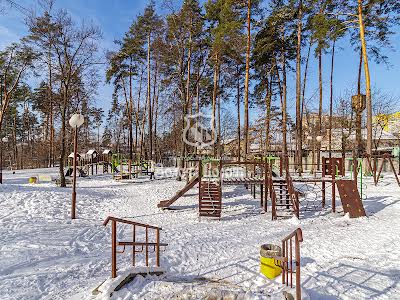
(3, 140)
(75, 122)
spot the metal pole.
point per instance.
(73, 208)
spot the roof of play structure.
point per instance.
(72, 155)
(91, 152)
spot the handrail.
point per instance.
(129, 222)
(294, 196)
(143, 245)
(271, 190)
(228, 163)
(298, 233)
(287, 266)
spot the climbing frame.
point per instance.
(350, 197)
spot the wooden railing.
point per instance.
(144, 246)
(293, 194)
(290, 260)
(271, 190)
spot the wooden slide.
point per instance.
(350, 198)
(180, 193)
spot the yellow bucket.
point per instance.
(267, 263)
(32, 179)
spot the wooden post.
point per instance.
(266, 174)
(134, 247)
(158, 247)
(113, 248)
(283, 263)
(333, 187)
(147, 246)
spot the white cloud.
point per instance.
(7, 36)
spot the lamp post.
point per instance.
(3, 140)
(75, 122)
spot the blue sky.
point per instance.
(115, 16)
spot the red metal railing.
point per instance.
(143, 246)
(290, 260)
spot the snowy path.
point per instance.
(43, 255)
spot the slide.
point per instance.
(180, 193)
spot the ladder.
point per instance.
(210, 203)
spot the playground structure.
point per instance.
(279, 192)
(123, 168)
(90, 163)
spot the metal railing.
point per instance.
(289, 261)
(143, 246)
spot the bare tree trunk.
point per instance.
(63, 134)
(299, 133)
(214, 99)
(284, 104)
(238, 110)
(138, 109)
(51, 150)
(149, 100)
(198, 99)
(130, 112)
(319, 128)
(303, 101)
(246, 83)
(359, 145)
(219, 121)
(187, 103)
(331, 100)
(268, 100)
(367, 78)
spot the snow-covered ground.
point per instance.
(45, 255)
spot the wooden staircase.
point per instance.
(284, 199)
(283, 204)
(210, 204)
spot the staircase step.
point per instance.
(210, 204)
